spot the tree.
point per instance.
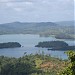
(70, 69)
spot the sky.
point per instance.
(36, 10)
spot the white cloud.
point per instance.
(5, 0)
(40, 9)
(28, 3)
(9, 4)
(18, 9)
(19, 6)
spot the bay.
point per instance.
(28, 41)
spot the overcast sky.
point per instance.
(36, 10)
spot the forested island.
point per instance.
(10, 45)
(55, 45)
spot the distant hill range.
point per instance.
(41, 28)
(18, 27)
(66, 23)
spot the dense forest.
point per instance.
(70, 68)
(10, 45)
(55, 45)
(38, 64)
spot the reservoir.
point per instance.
(28, 42)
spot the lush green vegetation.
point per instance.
(9, 45)
(38, 64)
(55, 45)
(70, 69)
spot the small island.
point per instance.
(64, 36)
(55, 45)
(9, 45)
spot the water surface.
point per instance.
(28, 42)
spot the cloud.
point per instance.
(18, 9)
(38, 9)
(48, 5)
(19, 6)
(9, 4)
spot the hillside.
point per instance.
(38, 64)
(66, 23)
(18, 27)
(41, 28)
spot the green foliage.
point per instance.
(14, 66)
(27, 65)
(37, 65)
(70, 69)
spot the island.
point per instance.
(55, 45)
(10, 45)
(64, 36)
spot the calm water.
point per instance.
(29, 42)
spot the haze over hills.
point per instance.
(18, 27)
(66, 23)
(41, 28)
